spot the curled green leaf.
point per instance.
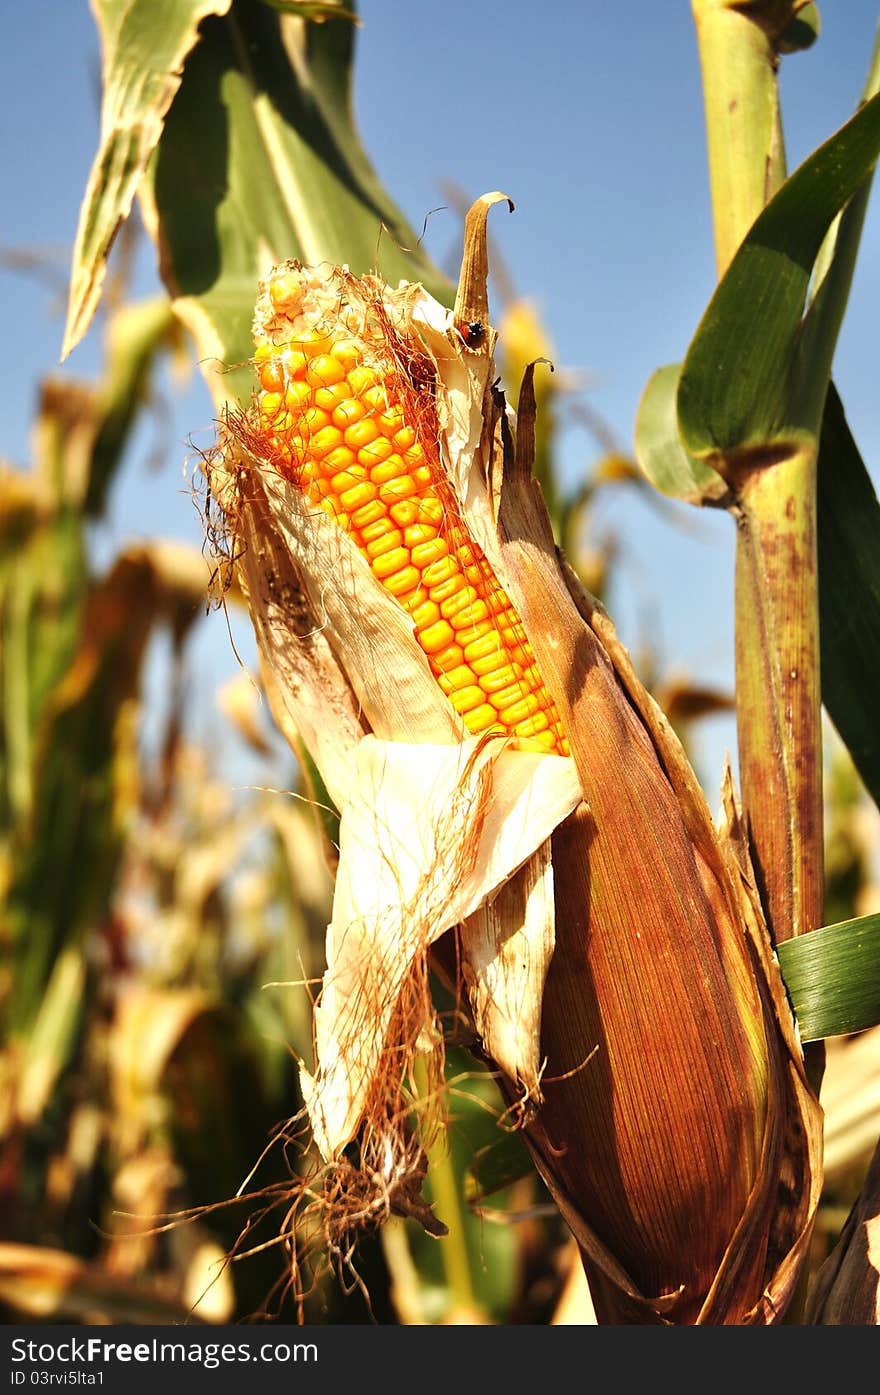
(659, 451)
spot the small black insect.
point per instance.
(471, 334)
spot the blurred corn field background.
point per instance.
(164, 909)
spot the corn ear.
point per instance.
(613, 947)
(449, 777)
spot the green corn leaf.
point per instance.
(496, 1166)
(51, 1043)
(833, 977)
(260, 161)
(739, 385)
(802, 32)
(136, 334)
(312, 9)
(830, 287)
(42, 589)
(849, 593)
(144, 47)
(658, 446)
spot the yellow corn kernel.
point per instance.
(313, 420)
(456, 679)
(388, 422)
(377, 400)
(454, 604)
(390, 562)
(489, 642)
(499, 680)
(405, 582)
(406, 513)
(360, 379)
(348, 412)
(447, 659)
(297, 395)
(371, 509)
(423, 475)
(430, 511)
(341, 458)
(392, 539)
(324, 371)
(329, 398)
(271, 405)
(322, 442)
(482, 718)
(437, 637)
(466, 699)
(272, 375)
(347, 352)
(391, 468)
(418, 533)
(426, 555)
(379, 529)
(315, 342)
(401, 488)
(428, 613)
(490, 663)
(513, 694)
(454, 585)
(291, 363)
(475, 614)
(519, 710)
(361, 433)
(375, 453)
(346, 481)
(439, 571)
(404, 438)
(546, 740)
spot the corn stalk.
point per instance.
(773, 497)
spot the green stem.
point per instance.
(743, 126)
(778, 698)
(777, 608)
(445, 1192)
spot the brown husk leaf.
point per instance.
(686, 1153)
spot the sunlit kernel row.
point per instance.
(335, 426)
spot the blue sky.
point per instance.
(589, 115)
